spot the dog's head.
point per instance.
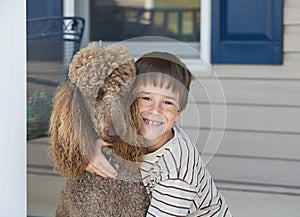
(96, 69)
(90, 105)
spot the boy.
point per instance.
(172, 170)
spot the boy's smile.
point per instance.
(158, 107)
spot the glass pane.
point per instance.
(123, 19)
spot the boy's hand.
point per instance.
(99, 164)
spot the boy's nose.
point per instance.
(155, 108)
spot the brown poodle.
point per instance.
(95, 103)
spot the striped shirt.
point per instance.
(179, 183)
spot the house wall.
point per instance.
(260, 149)
(260, 146)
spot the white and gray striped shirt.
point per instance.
(179, 183)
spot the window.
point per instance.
(119, 20)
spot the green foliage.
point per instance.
(39, 108)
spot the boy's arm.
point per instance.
(99, 164)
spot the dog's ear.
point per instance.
(83, 112)
(67, 155)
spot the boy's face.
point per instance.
(159, 110)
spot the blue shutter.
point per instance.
(247, 31)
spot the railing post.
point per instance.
(180, 25)
(166, 20)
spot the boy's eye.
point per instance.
(146, 98)
(168, 103)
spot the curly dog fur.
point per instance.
(88, 106)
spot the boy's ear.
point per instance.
(179, 113)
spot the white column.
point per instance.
(68, 8)
(12, 108)
(149, 4)
(205, 42)
(82, 9)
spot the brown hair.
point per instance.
(165, 70)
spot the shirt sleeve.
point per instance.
(171, 198)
